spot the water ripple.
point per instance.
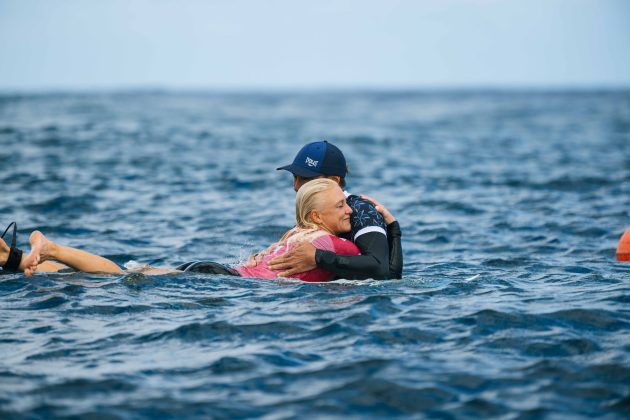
(511, 305)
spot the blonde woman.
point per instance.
(321, 213)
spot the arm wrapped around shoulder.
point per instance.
(372, 263)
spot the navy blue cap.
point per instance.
(316, 159)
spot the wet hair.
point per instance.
(309, 198)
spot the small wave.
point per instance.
(380, 397)
(48, 302)
(563, 348)
(489, 321)
(504, 263)
(65, 204)
(113, 309)
(590, 318)
(403, 336)
(221, 329)
(85, 387)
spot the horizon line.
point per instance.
(157, 89)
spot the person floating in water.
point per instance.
(374, 230)
(322, 214)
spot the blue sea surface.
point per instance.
(511, 304)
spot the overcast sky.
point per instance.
(227, 44)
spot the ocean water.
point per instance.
(511, 306)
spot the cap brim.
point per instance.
(296, 170)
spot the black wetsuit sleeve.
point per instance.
(395, 250)
(373, 263)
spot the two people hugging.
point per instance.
(336, 235)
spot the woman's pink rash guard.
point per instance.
(325, 242)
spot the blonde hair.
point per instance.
(309, 198)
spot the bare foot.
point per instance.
(30, 262)
(42, 246)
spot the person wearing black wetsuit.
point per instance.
(379, 242)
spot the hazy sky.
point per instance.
(80, 44)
